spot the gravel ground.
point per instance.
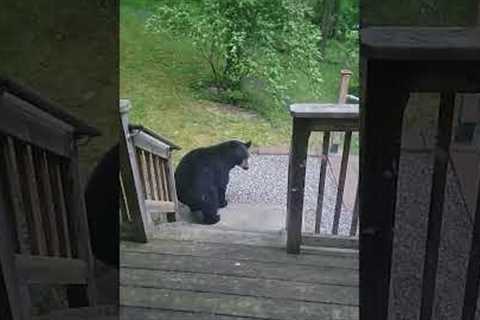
(266, 183)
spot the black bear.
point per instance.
(202, 176)
(101, 201)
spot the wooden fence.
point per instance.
(147, 182)
(44, 236)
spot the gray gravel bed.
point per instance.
(266, 183)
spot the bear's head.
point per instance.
(239, 152)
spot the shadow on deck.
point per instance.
(206, 272)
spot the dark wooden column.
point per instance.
(296, 183)
(380, 140)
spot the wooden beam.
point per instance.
(437, 197)
(421, 43)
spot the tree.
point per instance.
(242, 39)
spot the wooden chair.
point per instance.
(44, 237)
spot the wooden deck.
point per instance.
(211, 277)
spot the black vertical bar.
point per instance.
(381, 113)
(472, 285)
(437, 197)
(341, 181)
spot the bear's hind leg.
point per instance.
(222, 203)
(210, 208)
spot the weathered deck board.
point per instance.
(253, 269)
(243, 306)
(186, 280)
(134, 313)
(309, 256)
(241, 286)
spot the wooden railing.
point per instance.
(417, 60)
(44, 236)
(147, 182)
(308, 118)
(340, 182)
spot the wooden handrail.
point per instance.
(325, 118)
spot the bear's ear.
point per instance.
(248, 144)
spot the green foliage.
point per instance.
(247, 39)
(336, 18)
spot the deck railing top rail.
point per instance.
(327, 111)
(36, 101)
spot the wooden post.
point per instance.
(379, 159)
(342, 99)
(296, 184)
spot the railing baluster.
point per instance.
(34, 200)
(144, 170)
(125, 208)
(164, 180)
(437, 197)
(354, 224)
(54, 247)
(322, 180)
(18, 205)
(153, 177)
(472, 286)
(60, 200)
(341, 182)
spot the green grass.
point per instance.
(159, 73)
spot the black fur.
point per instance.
(202, 177)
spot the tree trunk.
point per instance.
(328, 11)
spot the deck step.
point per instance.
(237, 306)
(191, 279)
(182, 231)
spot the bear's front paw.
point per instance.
(223, 204)
(212, 219)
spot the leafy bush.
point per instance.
(247, 39)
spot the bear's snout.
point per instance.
(244, 164)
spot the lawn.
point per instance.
(159, 74)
